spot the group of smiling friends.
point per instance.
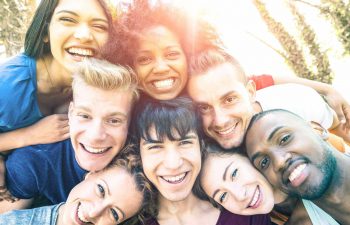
(147, 119)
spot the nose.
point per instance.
(96, 130)
(96, 210)
(161, 66)
(83, 33)
(238, 191)
(220, 117)
(279, 159)
(173, 159)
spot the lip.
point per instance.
(173, 87)
(76, 218)
(176, 185)
(292, 165)
(107, 149)
(258, 201)
(227, 132)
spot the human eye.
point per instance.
(186, 142)
(115, 215)
(115, 121)
(101, 190)
(100, 27)
(67, 20)
(83, 116)
(230, 99)
(153, 147)
(172, 54)
(143, 60)
(234, 173)
(285, 139)
(222, 197)
(264, 163)
(203, 108)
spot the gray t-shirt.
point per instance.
(46, 215)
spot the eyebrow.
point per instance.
(87, 109)
(75, 14)
(223, 177)
(109, 193)
(274, 132)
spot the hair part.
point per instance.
(211, 58)
(104, 75)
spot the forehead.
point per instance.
(81, 7)
(158, 36)
(122, 188)
(221, 79)
(101, 100)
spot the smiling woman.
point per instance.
(36, 85)
(103, 198)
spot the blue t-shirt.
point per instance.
(46, 215)
(18, 93)
(49, 170)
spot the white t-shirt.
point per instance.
(299, 99)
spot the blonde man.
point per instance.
(99, 117)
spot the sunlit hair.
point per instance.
(194, 34)
(128, 159)
(172, 119)
(106, 76)
(34, 44)
(206, 60)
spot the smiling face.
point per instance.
(160, 63)
(76, 31)
(98, 121)
(290, 155)
(225, 103)
(171, 165)
(103, 198)
(235, 184)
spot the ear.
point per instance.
(46, 39)
(323, 132)
(70, 110)
(250, 86)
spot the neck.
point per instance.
(51, 76)
(336, 200)
(168, 207)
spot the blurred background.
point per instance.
(307, 38)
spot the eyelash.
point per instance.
(234, 173)
(222, 197)
(115, 215)
(101, 190)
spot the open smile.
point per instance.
(227, 131)
(256, 198)
(95, 150)
(79, 216)
(175, 179)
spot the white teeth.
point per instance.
(255, 198)
(224, 132)
(95, 150)
(81, 215)
(163, 83)
(174, 179)
(296, 172)
(81, 51)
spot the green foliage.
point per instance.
(319, 58)
(292, 54)
(339, 13)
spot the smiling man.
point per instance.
(296, 160)
(99, 116)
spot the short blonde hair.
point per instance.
(106, 76)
